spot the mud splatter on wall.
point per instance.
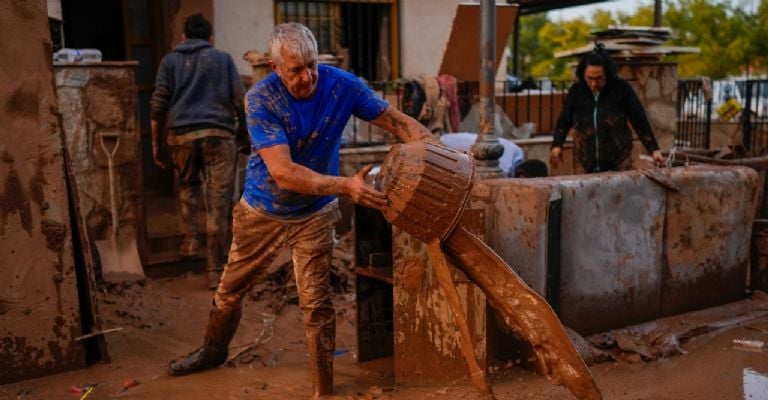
(97, 98)
(39, 316)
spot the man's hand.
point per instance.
(555, 157)
(363, 193)
(658, 159)
(158, 152)
(159, 155)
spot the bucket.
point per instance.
(427, 187)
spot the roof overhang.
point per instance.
(537, 6)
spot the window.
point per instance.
(362, 34)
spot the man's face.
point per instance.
(298, 75)
(595, 77)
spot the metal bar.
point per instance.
(487, 57)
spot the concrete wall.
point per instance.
(54, 9)
(629, 250)
(39, 315)
(620, 251)
(97, 98)
(241, 25)
(425, 25)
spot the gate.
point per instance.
(694, 114)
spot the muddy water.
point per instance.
(427, 186)
(525, 311)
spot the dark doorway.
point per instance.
(365, 32)
(94, 24)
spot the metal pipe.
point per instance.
(487, 58)
(487, 149)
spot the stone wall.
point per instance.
(656, 86)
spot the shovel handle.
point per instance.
(110, 169)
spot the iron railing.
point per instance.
(754, 116)
(694, 114)
(538, 105)
(535, 104)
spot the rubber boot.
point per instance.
(321, 346)
(222, 326)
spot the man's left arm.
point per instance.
(403, 127)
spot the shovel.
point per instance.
(119, 256)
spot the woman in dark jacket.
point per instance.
(596, 111)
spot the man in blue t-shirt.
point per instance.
(295, 120)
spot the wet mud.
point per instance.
(419, 179)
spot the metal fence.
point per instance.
(754, 116)
(700, 103)
(694, 114)
(532, 104)
(537, 104)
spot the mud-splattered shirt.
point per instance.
(601, 136)
(312, 130)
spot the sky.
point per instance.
(628, 7)
(625, 6)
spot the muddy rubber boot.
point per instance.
(321, 346)
(221, 328)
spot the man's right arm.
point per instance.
(289, 175)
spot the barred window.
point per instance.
(361, 34)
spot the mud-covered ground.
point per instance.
(165, 318)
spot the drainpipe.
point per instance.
(487, 150)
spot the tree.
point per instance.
(731, 35)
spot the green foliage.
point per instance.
(732, 37)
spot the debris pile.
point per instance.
(631, 43)
(664, 337)
(279, 287)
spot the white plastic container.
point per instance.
(77, 55)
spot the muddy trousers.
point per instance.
(255, 243)
(208, 164)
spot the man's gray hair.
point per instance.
(294, 37)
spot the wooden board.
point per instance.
(462, 53)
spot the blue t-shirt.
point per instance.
(312, 130)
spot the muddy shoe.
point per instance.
(189, 247)
(198, 360)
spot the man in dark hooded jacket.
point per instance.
(596, 111)
(198, 98)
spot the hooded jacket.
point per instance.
(197, 87)
(602, 138)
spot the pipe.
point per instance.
(487, 149)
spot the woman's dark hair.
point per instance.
(531, 169)
(197, 27)
(597, 57)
